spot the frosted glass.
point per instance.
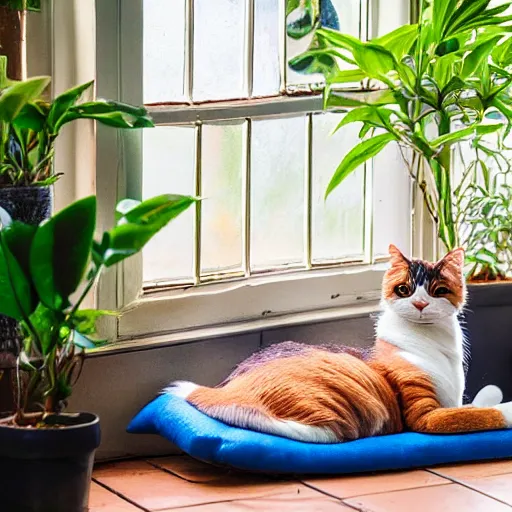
(219, 49)
(277, 192)
(338, 222)
(348, 13)
(266, 70)
(390, 15)
(168, 167)
(164, 50)
(391, 202)
(221, 219)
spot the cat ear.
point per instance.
(396, 256)
(455, 257)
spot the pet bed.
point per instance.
(215, 442)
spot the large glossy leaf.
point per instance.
(62, 103)
(346, 76)
(47, 324)
(18, 298)
(16, 96)
(61, 250)
(31, 118)
(337, 39)
(357, 156)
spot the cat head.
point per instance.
(424, 292)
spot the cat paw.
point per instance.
(488, 396)
(506, 410)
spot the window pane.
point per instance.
(266, 72)
(277, 192)
(168, 167)
(390, 15)
(338, 222)
(164, 50)
(221, 218)
(391, 202)
(343, 15)
(219, 49)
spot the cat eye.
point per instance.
(403, 290)
(441, 290)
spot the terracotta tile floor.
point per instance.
(181, 483)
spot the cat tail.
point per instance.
(220, 405)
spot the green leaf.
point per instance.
(15, 97)
(315, 61)
(466, 12)
(157, 211)
(448, 47)
(84, 320)
(339, 40)
(374, 116)
(502, 53)
(62, 103)
(453, 137)
(19, 5)
(138, 223)
(30, 118)
(347, 75)
(399, 41)
(442, 10)
(18, 299)
(358, 155)
(61, 250)
(85, 342)
(47, 323)
(479, 56)
(374, 60)
(334, 99)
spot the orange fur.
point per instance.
(347, 395)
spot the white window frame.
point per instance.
(217, 308)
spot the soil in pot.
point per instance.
(48, 469)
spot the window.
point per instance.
(237, 127)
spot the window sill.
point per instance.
(227, 309)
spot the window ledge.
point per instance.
(362, 309)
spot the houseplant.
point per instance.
(46, 455)
(29, 128)
(433, 85)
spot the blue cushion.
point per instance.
(212, 441)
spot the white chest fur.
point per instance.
(435, 348)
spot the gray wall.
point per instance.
(116, 385)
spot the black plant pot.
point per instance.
(48, 470)
(489, 330)
(30, 205)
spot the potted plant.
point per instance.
(29, 128)
(435, 87)
(46, 455)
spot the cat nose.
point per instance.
(420, 305)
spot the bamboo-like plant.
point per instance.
(443, 80)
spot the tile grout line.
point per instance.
(467, 486)
(170, 472)
(325, 493)
(119, 495)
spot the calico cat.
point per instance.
(412, 379)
